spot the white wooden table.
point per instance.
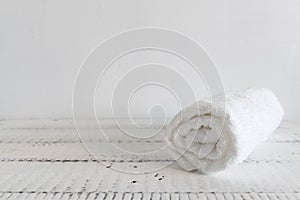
(46, 160)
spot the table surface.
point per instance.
(45, 159)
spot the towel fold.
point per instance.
(210, 136)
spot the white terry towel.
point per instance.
(212, 136)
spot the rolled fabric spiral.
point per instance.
(211, 136)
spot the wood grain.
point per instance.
(46, 160)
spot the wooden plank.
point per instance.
(124, 196)
(63, 131)
(94, 177)
(46, 160)
(75, 152)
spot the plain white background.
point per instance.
(42, 44)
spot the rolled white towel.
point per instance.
(210, 136)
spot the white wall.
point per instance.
(42, 44)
